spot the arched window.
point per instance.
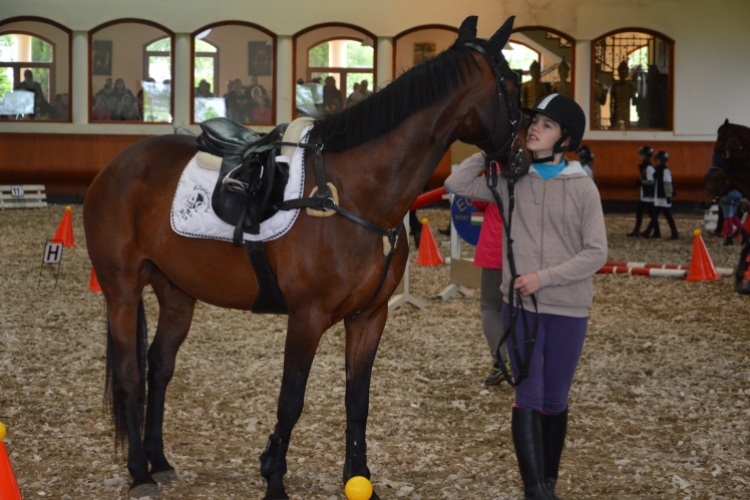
(234, 73)
(132, 67)
(545, 58)
(334, 68)
(632, 80)
(34, 70)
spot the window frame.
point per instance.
(561, 34)
(670, 98)
(314, 27)
(396, 38)
(274, 40)
(344, 72)
(52, 66)
(124, 20)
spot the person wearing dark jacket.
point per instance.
(663, 193)
(646, 183)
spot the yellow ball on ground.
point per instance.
(2, 431)
(697, 232)
(358, 488)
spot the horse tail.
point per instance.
(114, 396)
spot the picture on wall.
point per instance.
(102, 57)
(259, 59)
(423, 51)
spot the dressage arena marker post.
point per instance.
(53, 251)
(23, 196)
(402, 294)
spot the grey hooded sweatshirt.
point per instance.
(557, 229)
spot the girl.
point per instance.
(663, 192)
(559, 242)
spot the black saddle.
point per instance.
(251, 184)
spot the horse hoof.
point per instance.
(146, 490)
(374, 496)
(166, 477)
(276, 496)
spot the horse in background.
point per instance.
(730, 174)
(379, 154)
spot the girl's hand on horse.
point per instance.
(527, 284)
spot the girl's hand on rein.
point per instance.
(527, 284)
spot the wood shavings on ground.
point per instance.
(659, 407)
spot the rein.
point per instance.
(491, 168)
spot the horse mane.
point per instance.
(414, 90)
(735, 126)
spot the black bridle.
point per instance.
(515, 170)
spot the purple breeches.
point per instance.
(556, 353)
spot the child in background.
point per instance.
(586, 159)
(663, 193)
(489, 256)
(646, 184)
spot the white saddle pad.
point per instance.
(193, 216)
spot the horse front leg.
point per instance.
(304, 332)
(175, 316)
(363, 334)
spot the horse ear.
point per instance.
(501, 37)
(726, 121)
(468, 28)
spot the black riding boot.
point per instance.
(526, 427)
(554, 428)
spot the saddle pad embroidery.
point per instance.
(193, 216)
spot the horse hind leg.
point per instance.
(303, 336)
(126, 365)
(363, 334)
(175, 316)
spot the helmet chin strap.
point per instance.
(557, 148)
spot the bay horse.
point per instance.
(718, 181)
(379, 154)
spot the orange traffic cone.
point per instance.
(64, 231)
(8, 484)
(701, 266)
(429, 255)
(93, 282)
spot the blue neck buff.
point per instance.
(548, 170)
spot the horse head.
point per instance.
(716, 184)
(494, 120)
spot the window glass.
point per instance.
(544, 59)
(347, 82)
(131, 73)
(631, 86)
(34, 72)
(233, 74)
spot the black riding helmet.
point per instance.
(662, 155)
(567, 113)
(648, 151)
(585, 154)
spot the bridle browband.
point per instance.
(491, 169)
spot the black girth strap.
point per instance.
(270, 300)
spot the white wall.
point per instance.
(711, 37)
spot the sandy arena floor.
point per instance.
(659, 407)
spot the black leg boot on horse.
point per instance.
(526, 427)
(554, 428)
